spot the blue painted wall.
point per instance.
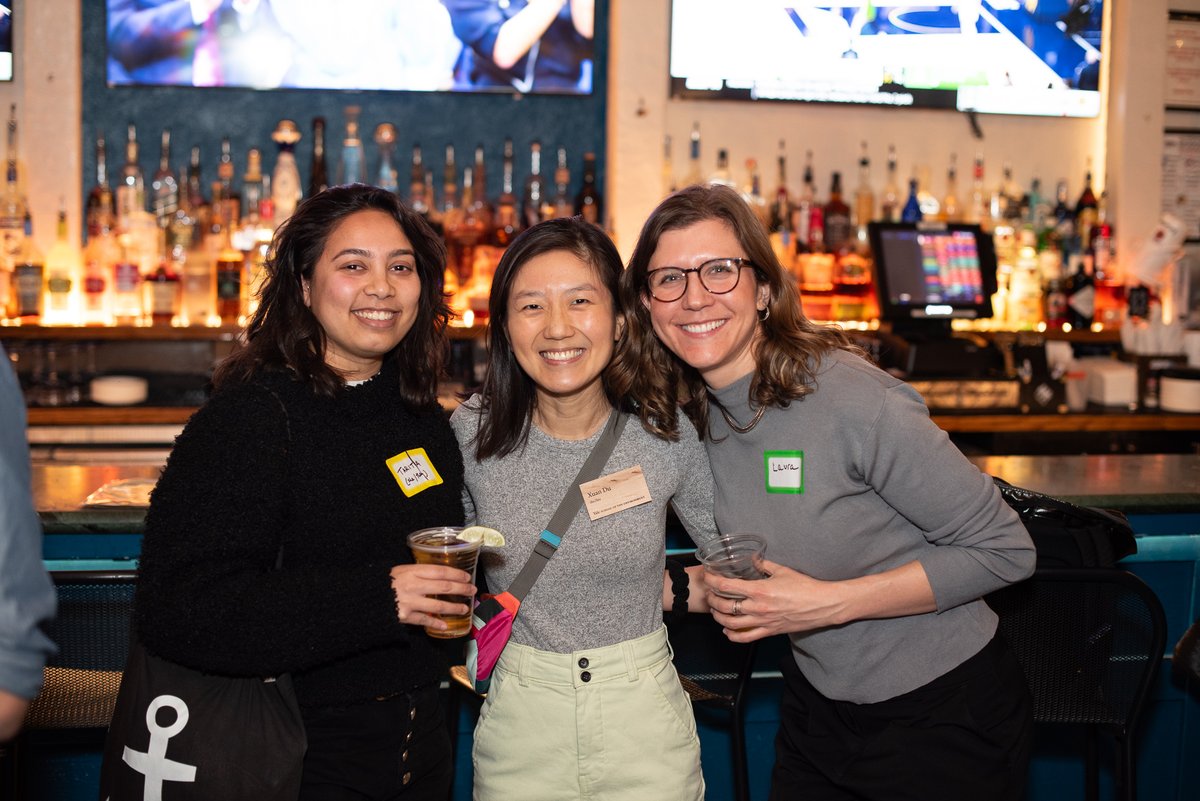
(200, 116)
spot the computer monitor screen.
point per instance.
(930, 274)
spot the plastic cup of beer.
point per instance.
(442, 546)
(737, 556)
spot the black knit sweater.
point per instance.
(269, 464)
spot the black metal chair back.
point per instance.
(91, 630)
(1090, 641)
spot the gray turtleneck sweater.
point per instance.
(856, 479)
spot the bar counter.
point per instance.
(1160, 493)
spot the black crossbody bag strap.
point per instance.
(552, 535)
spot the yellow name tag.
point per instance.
(413, 471)
(610, 494)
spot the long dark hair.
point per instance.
(790, 344)
(284, 333)
(509, 395)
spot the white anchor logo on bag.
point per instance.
(153, 763)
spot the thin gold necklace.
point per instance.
(742, 429)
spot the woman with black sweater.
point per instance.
(275, 540)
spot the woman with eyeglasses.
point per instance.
(584, 702)
(882, 538)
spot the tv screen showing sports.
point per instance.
(929, 274)
(405, 45)
(6, 42)
(1035, 57)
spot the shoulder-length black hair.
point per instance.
(508, 393)
(284, 333)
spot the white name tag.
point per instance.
(784, 471)
(610, 494)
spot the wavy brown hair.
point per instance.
(284, 334)
(789, 346)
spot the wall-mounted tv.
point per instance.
(408, 45)
(995, 56)
(6, 42)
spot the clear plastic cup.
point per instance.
(441, 546)
(735, 556)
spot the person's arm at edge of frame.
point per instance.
(28, 596)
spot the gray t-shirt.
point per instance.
(856, 479)
(604, 585)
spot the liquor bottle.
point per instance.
(28, 278)
(806, 202)
(350, 167)
(864, 196)
(588, 202)
(977, 209)
(752, 193)
(126, 298)
(1038, 210)
(416, 183)
(449, 183)
(890, 202)
(61, 272)
(12, 214)
(531, 201)
(198, 277)
(482, 205)
(231, 199)
(721, 175)
(1110, 289)
(1064, 234)
(164, 186)
(100, 196)
(194, 188)
(1014, 199)
(561, 205)
(1081, 292)
(693, 173)
(131, 189)
(318, 171)
(165, 293)
(838, 231)
(285, 178)
(912, 206)
(507, 220)
(1024, 304)
(931, 207)
(781, 208)
(98, 259)
(385, 139)
(1086, 211)
(464, 232)
(951, 207)
(229, 265)
(252, 191)
(667, 170)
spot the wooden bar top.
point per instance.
(59, 491)
(1141, 483)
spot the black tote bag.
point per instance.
(181, 735)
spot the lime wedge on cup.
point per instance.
(489, 536)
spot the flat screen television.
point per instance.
(6, 42)
(993, 56)
(406, 45)
(929, 274)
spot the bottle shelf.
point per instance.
(156, 333)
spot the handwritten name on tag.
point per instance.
(413, 471)
(610, 494)
(784, 471)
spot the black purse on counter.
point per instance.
(1068, 535)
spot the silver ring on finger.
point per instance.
(737, 607)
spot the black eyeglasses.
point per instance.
(718, 276)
